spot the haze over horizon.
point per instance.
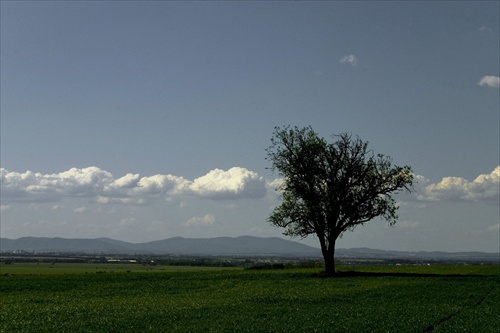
(141, 121)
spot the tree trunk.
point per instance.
(329, 257)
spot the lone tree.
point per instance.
(329, 188)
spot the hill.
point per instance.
(239, 246)
(244, 245)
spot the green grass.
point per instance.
(372, 299)
(46, 268)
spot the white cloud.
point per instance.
(275, 184)
(81, 210)
(485, 28)
(208, 219)
(485, 187)
(236, 183)
(489, 81)
(231, 184)
(495, 227)
(160, 184)
(125, 201)
(4, 208)
(349, 59)
(75, 182)
(128, 221)
(128, 181)
(57, 207)
(99, 184)
(79, 182)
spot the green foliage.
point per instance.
(335, 185)
(329, 188)
(253, 301)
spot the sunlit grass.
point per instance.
(251, 301)
(78, 268)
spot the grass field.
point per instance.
(44, 268)
(110, 298)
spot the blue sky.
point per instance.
(148, 120)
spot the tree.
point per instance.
(329, 188)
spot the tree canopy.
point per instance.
(329, 188)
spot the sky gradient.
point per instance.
(148, 120)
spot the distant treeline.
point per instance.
(253, 262)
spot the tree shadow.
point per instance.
(349, 274)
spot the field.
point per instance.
(136, 298)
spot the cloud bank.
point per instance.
(93, 182)
(236, 183)
(489, 81)
(485, 188)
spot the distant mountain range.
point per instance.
(354, 253)
(242, 246)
